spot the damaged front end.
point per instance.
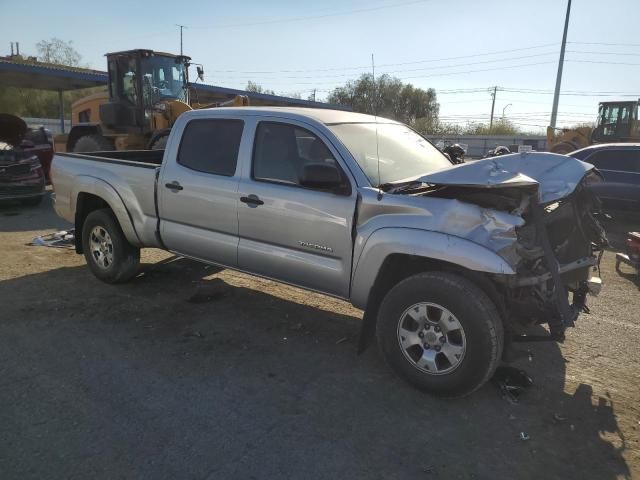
(559, 244)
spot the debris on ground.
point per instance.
(194, 333)
(524, 436)
(512, 382)
(342, 340)
(61, 239)
(559, 418)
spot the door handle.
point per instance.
(174, 186)
(252, 200)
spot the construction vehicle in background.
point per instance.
(147, 92)
(617, 122)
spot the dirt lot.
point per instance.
(192, 372)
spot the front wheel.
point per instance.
(109, 255)
(441, 333)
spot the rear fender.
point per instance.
(106, 192)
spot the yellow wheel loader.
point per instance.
(617, 122)
(147, 92)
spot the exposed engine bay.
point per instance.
(554, 241)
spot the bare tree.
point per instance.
(59, 52)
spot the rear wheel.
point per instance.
(109, 255)
(93, 143)
(563, 148)
(441, 333)
(160, 143)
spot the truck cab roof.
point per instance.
(321, 115)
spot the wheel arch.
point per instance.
(102, 196)
(378, 268)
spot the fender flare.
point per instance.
(421, 243)
(106, 192)
(426, 244)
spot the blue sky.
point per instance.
(296, 46)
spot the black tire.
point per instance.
(483, 334)
(125, 258)
(93, 143)
(32, 202)
(160, 143)
(563, 148)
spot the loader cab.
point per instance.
(617, 121)
(140, 83)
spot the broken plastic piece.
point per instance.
(512, 382)
(524, 436)
(60, 239)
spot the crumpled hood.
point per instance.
(555, 176)
(12, 129)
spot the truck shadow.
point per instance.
(237, 369)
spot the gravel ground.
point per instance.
(193, 372)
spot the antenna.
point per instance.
(375, 113)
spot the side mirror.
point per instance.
(200, 71)
(322, 176)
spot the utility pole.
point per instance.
(314, 94)
(493, 106)
(556, 94)
(181, 27)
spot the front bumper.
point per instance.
(22, 191)
(552, 284)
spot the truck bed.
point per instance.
(126, 180)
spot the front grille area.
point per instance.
(15, 170)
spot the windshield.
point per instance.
(403, 153)
(162, 79)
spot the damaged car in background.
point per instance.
(449, 263)
(22, 177)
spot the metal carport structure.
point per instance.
(23, 73)
(46, 76)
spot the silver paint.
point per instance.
(280, 238)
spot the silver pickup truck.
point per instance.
(449, 263)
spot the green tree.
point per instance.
(500, 127)
(256, 88)
(388, 97)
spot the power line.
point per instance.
(394, 72)
(604, 53)
(602, 62)
(366, 67)
(608, 44)
(309, 17)
(443, 74)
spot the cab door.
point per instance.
(198, 191)
(290, 232)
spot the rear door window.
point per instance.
(211, 146)
(619, 160)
